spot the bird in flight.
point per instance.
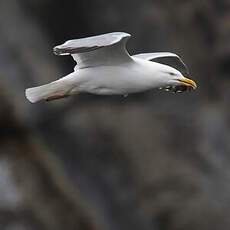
(105, 67)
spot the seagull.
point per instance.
(104, 67)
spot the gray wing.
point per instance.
(97, 50)
(166, 58)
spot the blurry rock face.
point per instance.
(149, 161)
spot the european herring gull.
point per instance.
(104, 67)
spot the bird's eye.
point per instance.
(172, 74)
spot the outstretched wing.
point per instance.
(166, 58)
(97, 50)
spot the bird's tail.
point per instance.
(48, 92)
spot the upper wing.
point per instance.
(166, 58)
(97, 50)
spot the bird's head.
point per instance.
(174, 81)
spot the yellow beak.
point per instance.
(188, 82)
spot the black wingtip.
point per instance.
(56, 51)
(60, 51)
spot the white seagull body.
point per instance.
(104, 67)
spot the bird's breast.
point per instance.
(122, 79)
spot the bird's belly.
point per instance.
(114, 80)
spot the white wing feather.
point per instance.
(97, 50)
(166, 58)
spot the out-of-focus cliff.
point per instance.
(149, 161)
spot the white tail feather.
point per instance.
(46, 92)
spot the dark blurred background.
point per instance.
(151, 161)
